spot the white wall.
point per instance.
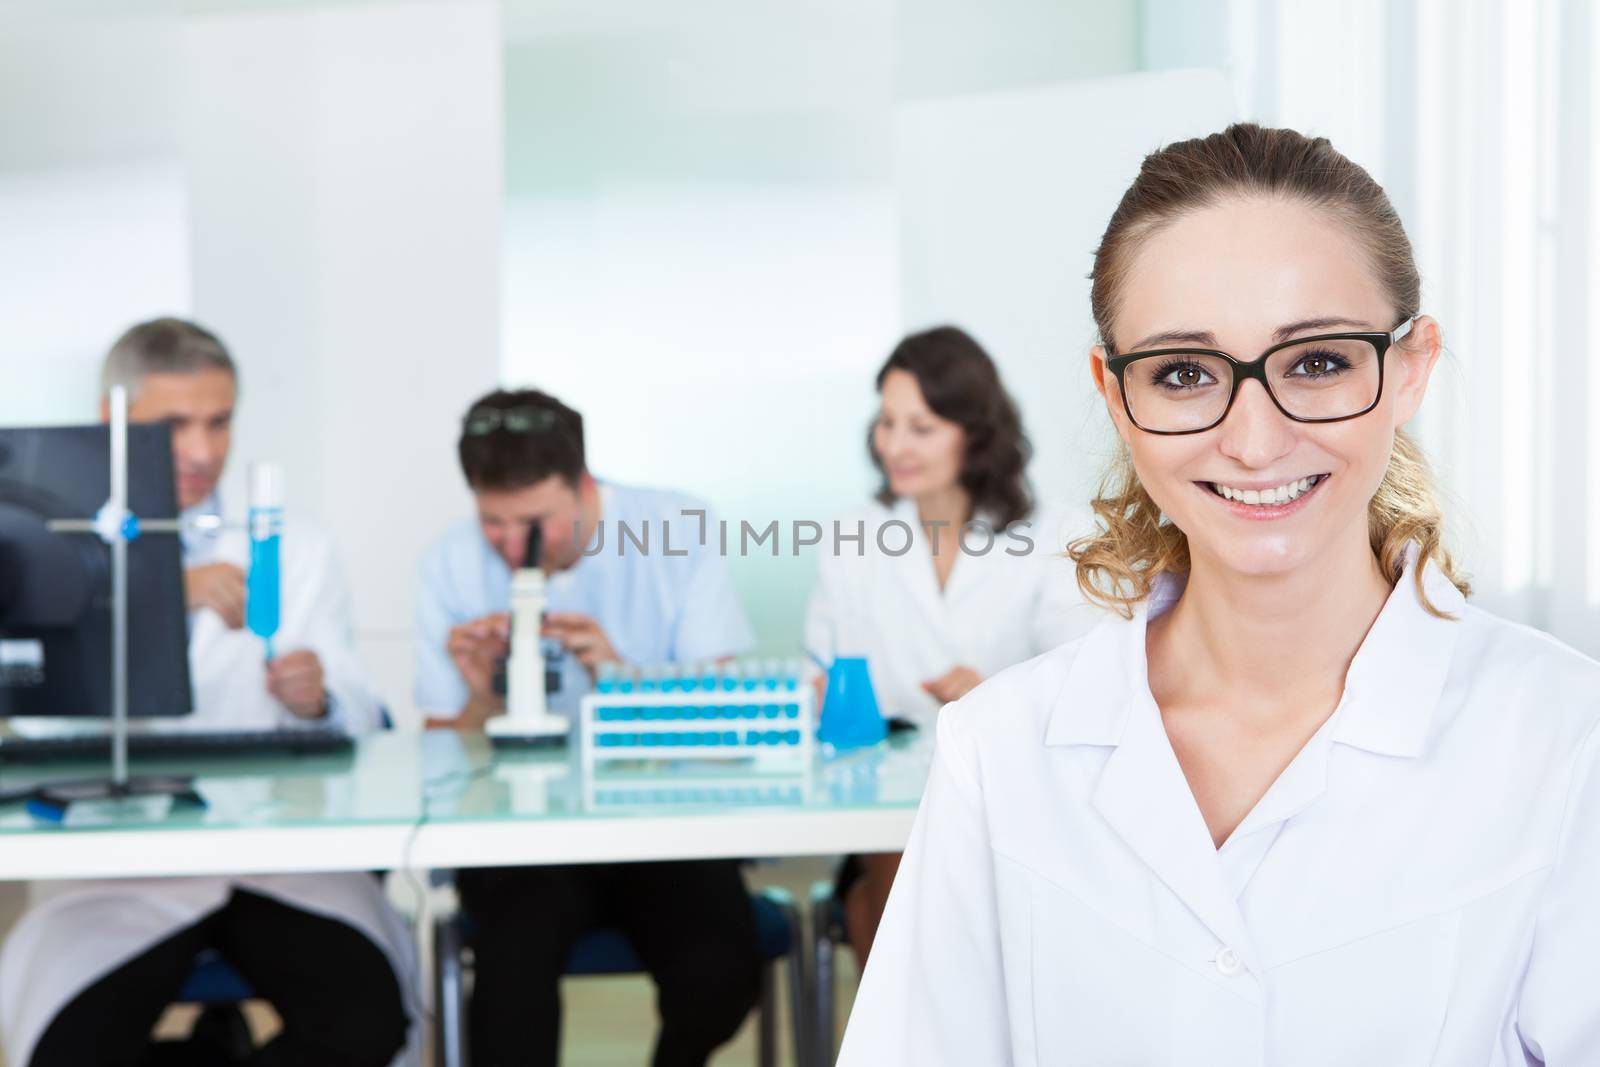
(956, 47)
(85, 251)
(703, 247)
(83, 84)
(320, 184)
(1184, 34)
(93, 233)
(345, 198)
(700, 250)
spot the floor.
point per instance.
(609, 1021)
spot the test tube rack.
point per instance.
(761, 714)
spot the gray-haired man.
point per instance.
(90, 968)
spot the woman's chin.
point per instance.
(1255, 555)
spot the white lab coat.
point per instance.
(996, 609)
(79, 931)
(1420, 886)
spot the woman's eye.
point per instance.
(1319, 365)
(1183, 376)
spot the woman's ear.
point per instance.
(1411, 366)
(1110, 390)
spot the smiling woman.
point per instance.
(1297, 801)
(1267, 186)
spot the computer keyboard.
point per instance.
(170, 744)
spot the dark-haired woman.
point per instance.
(948, 576)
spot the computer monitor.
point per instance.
(55, 587)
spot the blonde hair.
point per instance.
(1118, 566)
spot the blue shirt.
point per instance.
(654, 607)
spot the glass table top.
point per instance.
(441, 776)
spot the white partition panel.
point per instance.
(345, 191)
(93, 233)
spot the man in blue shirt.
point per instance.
(610, 601)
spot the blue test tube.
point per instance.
(262, 586)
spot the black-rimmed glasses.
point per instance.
(1327, 378)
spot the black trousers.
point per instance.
(690, 923)
(339, 999)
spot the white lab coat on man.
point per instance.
(78, 931)
(1006, 599)
(1418, 887)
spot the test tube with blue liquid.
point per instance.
(262, 596)
(649, 680)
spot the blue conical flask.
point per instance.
(850, 716)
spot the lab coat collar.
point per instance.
(1105, 678)
(1110, 674)
(1394, 683)
(1390, 690)
(1142, 793)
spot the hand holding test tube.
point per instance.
(262, 597)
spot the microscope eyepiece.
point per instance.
(534, 553)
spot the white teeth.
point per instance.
(1265, 497)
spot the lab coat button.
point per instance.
(1229, 965)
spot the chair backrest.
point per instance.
(214, 981)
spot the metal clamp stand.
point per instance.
(116, 526)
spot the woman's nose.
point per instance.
(1255, 432)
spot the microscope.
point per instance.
(528, 718)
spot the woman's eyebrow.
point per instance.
(1283, 333)
(1204, 338)
(1207, 339)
